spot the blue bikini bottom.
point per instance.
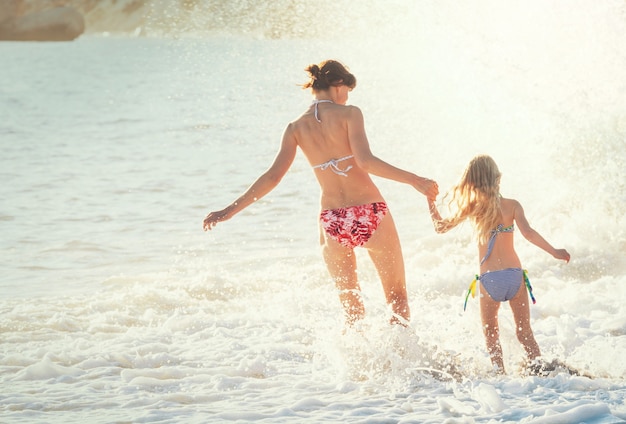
(502, 285)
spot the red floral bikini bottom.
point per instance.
(354, 225)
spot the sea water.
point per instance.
(115, 306)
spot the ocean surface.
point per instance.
(115, 306)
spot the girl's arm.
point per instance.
(534, 237)
(366, 160)
(263, 185)
(441, 225)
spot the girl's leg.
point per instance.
(386, 254)
(489, 316)
(341, 264)
(521, 315)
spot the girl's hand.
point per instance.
(562, 254)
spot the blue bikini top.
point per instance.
(500, 229)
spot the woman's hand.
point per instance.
(213, 218)
(428, 188)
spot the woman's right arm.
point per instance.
(263, 185)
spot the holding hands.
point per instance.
(428, 188)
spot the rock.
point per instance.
(56, 24)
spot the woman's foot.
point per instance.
(540, 368)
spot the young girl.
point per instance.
(477, 198)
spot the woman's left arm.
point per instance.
(366, 160)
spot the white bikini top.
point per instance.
(332, 164)
(317, 102)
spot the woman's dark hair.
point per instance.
(329, 73)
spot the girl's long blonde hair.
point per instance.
(477, 197)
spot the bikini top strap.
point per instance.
(492, 239)
(317, 102)
(333, 165)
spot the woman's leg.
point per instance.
(489, 315)
(521, 315)
(341, 264)
(386, 254)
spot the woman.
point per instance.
(354, 213)
(477, 197)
